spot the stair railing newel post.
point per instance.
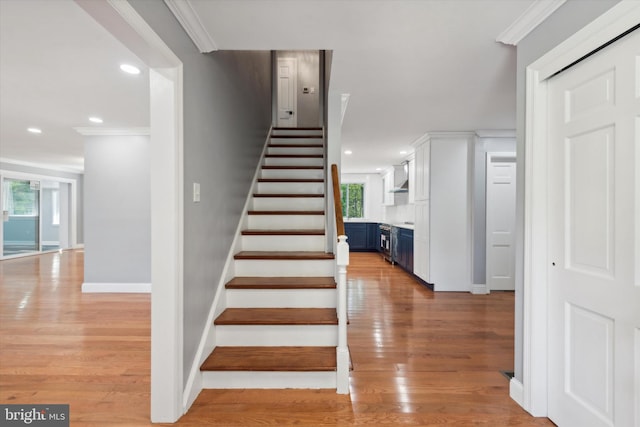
(342, 352)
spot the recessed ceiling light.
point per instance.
(403, 152)
(130, 69)
(34, 130)
(347, 152)
(378, 169)
(95, 120)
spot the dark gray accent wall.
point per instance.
(567, 20)
(227, 115)
(117, 208)
(60, 174)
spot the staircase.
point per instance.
(280, 325)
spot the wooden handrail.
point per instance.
(337, 201)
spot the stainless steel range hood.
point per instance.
(401, 178)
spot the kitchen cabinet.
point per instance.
(422, 160)
(403, 247)
(362, 236)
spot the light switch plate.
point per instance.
(196, 192)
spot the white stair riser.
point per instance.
(293, 173)
(296, 131)
(287, 268)
(276, 335)
(288, 204)
(290, 188)
(268, 380)
(295, 150)
(283, 243)
(285, 222)
(294, 161)
(281, 298)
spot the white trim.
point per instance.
(496, 133)
(207, 340)
(528, 21)
(615, 21)
(344, 103)
(479, 289)
(609, 25)
(116, 288)
(516, 391)
(188, 17)
(134, 131)
(47, 166)
(421, 140)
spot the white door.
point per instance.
(594, 206)
(501, 221)
(287, 91)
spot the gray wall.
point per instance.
(117, 208)
(569, 18)
(55, 173)
(227, 115)
(308, 76)
(482, 147)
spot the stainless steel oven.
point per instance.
(386, 245)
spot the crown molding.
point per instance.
(528, 21)
(44, 166)
(496, 133)
(421, 140)
(187, 16)
(89, 131)
(451, 135)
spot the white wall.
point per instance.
(117, 209)
(372, 195)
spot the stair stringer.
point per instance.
(207, 343)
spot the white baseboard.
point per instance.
(516, 391)
(479, 289)
(115, 288)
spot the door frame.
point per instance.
(490, 156)
(532, 393)
(293, 60)
(118, 17)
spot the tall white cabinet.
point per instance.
(442, 235)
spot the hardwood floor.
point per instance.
(419, 358)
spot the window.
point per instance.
(20, 197)
(352, 196)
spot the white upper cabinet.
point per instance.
(422, 158)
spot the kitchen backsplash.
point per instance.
(399, 213)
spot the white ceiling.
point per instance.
(410, 66)
(57, 68)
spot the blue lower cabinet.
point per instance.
(404, 251)
(362, 236)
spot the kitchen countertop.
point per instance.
(395, 224)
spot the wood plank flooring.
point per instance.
(419, 358)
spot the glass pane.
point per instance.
(343, 199)
(20, 212)
(356, 201)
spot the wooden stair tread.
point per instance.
(288, 167)
(318, 232)
(285, 212)
(284, 255)
(295, 156)
(287, 195)
(281, 283)
(296, 145)
(296, 136)
(277, 316)
(301, 359)
(297, 128)
(290, 180)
